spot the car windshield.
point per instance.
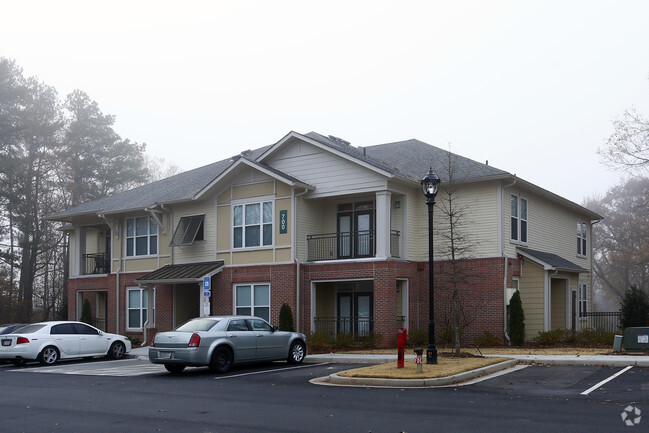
(30, 329)
(197, 325)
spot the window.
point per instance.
(253, 300)
(583, 299)
(581, 238)
(252, 225)
(141, 236)
(518, 219)
(137, 306)
(188, 231)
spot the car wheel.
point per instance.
(117, 350)
(296, 353)
(175, 368)
(49, 356)
(221, 361)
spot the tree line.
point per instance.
(54, 154)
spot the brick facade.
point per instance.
(481, 292)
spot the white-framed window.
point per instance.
(518, 207)
(136, 299)
(583, 299)
(252, 224)
(141, 237)
(581, 238)
(252, 300)
(189, 230)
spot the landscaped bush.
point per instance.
(516, 325)
(584, 337)
(286, 318)
(634, 308)
(417, 338)
(487, 339)
(86, 312)
(320, 342)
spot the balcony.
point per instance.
(96, 263)
(348, 245)
(356, 327)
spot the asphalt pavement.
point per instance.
(621, 360)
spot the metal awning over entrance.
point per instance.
(550, 262)
(183, 273)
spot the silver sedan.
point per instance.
(222, 341)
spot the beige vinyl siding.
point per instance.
(144, 265)
(74, 254)
(332, 174)
(551, 228)
(252, 257)
(558, 310)
(282, 243)
(310, 220)
(283, 239)
(200, 251)
(480, 224)
(532, 289)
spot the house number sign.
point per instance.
(283, 222)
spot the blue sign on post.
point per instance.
(206, 283)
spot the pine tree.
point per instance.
(286, 318)
(634, 309)
(516, 320)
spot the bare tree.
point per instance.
(627, 148)
(456, 246)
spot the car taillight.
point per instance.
(194, 341)
(153, 340)
(22, 340)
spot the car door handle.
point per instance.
(260, 335)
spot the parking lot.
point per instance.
(534, 397)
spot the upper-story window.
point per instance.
(252, 224)
(141, 236)
(188, 231)
(581, 238)
(518, 219)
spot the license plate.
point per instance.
(6, 342)
(165, 355)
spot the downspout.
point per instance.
(297, 260)
(501, 241)
(115, 233)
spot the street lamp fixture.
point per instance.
(429, 186)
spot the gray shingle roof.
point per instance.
(409, 159)
(553, 260)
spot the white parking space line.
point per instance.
(88, 370)
(594, 387)
(270, 371)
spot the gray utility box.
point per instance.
(636, 339)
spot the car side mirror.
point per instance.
(275, 328)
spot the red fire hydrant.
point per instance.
(402, 339)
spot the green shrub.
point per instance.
(320, 342)
(634, 308)
(487, 339)
(549, 338)
(286, 318)
(370, 341)
(86, 312)
(417, 338)
(516, 325)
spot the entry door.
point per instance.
(355, 313)
(573, 309)
(345, 229)
(364, 242)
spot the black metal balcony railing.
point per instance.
(601, 321)
(356, 326)
(96, 263)
(347, 245)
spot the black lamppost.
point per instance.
(429, 186)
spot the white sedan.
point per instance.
(47, 342)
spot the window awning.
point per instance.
(187, 229)
(183, 273)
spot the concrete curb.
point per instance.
(335, 379)
(612, 361)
